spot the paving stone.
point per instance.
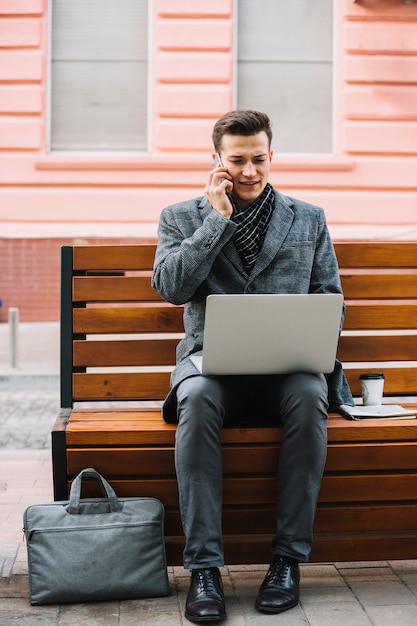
(155, 612)
(382, 593)
(368, 573)
(91, 614)
(312, 593)
(18, 612)
(319, 576)
(14, 587)
(333, 614)
(405, 615)
(412, 587)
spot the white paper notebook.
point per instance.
(270, 333)
(380, 411)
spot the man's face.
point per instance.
(248, 161)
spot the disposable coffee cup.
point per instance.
(372, 389)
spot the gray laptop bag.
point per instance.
(93, 549)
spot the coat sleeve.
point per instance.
(187, 248)
(326, 278)
(325, 271)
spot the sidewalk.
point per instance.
(37, 351)
(332, 594)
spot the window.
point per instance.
(99, 75)
(285, 68)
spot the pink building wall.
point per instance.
(367, 187)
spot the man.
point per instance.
(243, 236)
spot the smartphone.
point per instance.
(217, 161)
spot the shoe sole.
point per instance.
(267, 609)
(219, 618)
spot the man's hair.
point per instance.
(241, 122)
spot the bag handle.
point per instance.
(75, 493)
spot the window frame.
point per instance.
(48, 97)
(335, 147)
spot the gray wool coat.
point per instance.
(196, 257)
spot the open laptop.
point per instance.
(270, 333)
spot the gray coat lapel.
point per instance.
(231, 254)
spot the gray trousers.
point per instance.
(299, 403)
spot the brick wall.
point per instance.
(30, 276)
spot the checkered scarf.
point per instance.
(251, 226)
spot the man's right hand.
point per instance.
(220, 182)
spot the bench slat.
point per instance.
(121, 386)
(162, 351)
(335, 547)
(262, 519)
(155, 385)
(380, 286)
(349, 254)
(260, 490)
(113, 289)
(137, 352)
(114, 257)
(244, 459)
(377, 348)
(376, 254)
(366, 518)
(159, 317)
(148, 318)
(127, 427)
(326, 548)
(389, 315)
(131, 288)
(399, 381)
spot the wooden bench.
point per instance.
(118, 347)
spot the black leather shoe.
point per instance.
(280, 588)
(205, 599)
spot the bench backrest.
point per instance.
(118, 337)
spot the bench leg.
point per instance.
(59, 456)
